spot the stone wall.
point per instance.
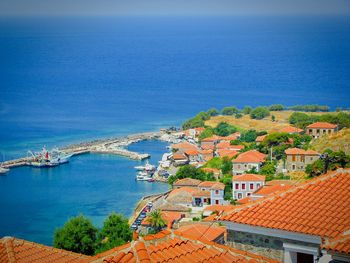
(262, 245)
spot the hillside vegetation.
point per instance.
(266, 124)
(339, 141)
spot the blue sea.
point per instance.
(67, 80)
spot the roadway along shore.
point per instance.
(106, 146)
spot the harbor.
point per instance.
(115, 146)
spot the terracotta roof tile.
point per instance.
(303, 203)
(322, 125)
(201, 232)
(187, 182)
(260, 138)
(252, 156)
(293, 151)
(18, 250)
(227, 153)
(291, 129)
(248, 178)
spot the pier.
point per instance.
(104, 146)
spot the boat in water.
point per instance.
(143, 176)
(47, 158)
(3, 170)
(147, 167)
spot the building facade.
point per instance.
(297, 159)
(318, 129)
(244, 185)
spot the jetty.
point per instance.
(105, 146)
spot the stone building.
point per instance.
(318, 129)
(297, 159)
(247, 161)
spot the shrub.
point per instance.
(259, 113)
(229, 110)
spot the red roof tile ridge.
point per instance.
(141, 252)
(292, 189)
(8, 243)
(111, 251)
(232, 251)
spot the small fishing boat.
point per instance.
(147, 167)
(3, 170)
(143, 176)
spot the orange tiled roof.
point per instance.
(273, 187)
(223, 145)
(172, 207)
(179, 156)
(293, 151)
(181, 249)
(208, 147)
(291, 129)
(201, 232)
(187, 182)
(205, 152)
(317, 207)
(236, 147)
(184, 146)
(181, 195)
(260, 138)
(18, 250)
(339, 244)
(207, 184)
(322, 125)
(245, 200)
(201, 193)
(192, 152)
(162, 234)
(231, 137)
(248, 178)
(212, 138)
(168, 216)
(252, 156)
(227, 153)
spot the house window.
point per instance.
(257, 185)
(311, 158)
(329, 131)
(236, 186)
(243, 186)
(216, 192)
(251, 186)
(310, 131)
(239, 196)
(324, 131)
(205, 200)
(318, 131)
(293, 167)
(216, 202)
(248, 194)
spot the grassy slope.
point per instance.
(335, 142)
(260, 125)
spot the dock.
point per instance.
(104, 146)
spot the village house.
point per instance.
(318, 129)
(188, 182)
(300, 224)
(247, 161)
(244, 185)
(180, 158)
(216, 190)
(206, 155)
(291, 130)
(297, 159)
(216, 172)
(210, 141)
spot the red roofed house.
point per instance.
(291, 130)
(244, 185)
(297, 159)
(204, 232)
(298, 224)
(189, 182)
(216, 190)
(318, 129)
(247, 161)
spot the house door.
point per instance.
(304, 258)
(216, 202)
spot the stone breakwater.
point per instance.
(106, 146)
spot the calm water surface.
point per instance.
(34, 201)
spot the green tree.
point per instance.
(229, 110)
(224, 129)
(226, 167)
(259, 113)
(276, 107)
(208, 132)
(115, 232)
(300, 119)
(248, 136)
(213, 112)
(156, 220)
(247, 110)
(189, 171)
(196, 121)
(273, 118)
(268, 169)
(77, 235)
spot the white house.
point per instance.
(244, 185)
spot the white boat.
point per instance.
(37, 164)
(60, 157)
(147, 167)
(143, 176)
(47, 158)
(4, 170)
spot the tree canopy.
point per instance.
(77, 235)
(224, 129)
(229, 110)
(259, 113)
(189, 171)
(213, 112)
(115, 232)
(156, 220)
(276, 107)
